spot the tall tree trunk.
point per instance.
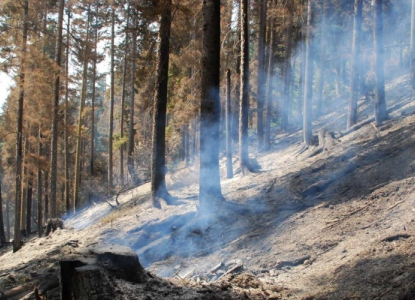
(111, 125)
(244, 91)
(268, 95)
(308, 82)
(46, 216)
(380, 102)
(354, 81)
(39, 187)
(2, 233)
(94, 78)
(124, 79)
(412, 46)
(8, 219)
(261, 73)
(130, 150)
(79, 130)
(287, 65)
(236, 106)
(24, 185)
(55, 115)
(158, 160)
(209, 178)
(17, 242)
(229, 170)
(320, 82)
(29, 199)
(67, 199)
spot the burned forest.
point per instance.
(202, 150)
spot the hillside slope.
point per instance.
(333, 225)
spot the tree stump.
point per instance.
(89, 273)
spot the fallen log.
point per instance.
(16, 291)
(292, 263)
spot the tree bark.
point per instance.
(81, 108)
(308, 82)
(412, 46)
(29, 199)
(39, 187)
(130, 150)
(94, 78)
(209, 180)
(354, 80)
(380, 102)
(287, 66)
(124, 79)
(229, 169)
(111, 120)
(66, 145)
(55, 115)
(2, 233)
(17, 242)
(244, 91)
(158, 160)
(268, 95)
(261, 73)
(320, 83)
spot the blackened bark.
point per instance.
(268, 96)
(158, 161)
(111, 117)
(55, 115)
(2, 233)
(39, 188)
(308, 81)
(261, 74)
(66, 133)
(354, 81)
(380, 102)
(17, 242)
(29, 195)
(287, 66)
(244, 91)
(209, 180)
(228, 112)
(320, 83)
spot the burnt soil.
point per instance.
(337, 225)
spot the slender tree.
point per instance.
(55, 115)
(244, 91)
(229, 170)
(94, 78)
(39, 187)
(412, 46)
(130, 150)
(308, 82)
(268, 96)
(354, 82)
(322, 59)
(66, 133)
(17, 242)
(380, 102)
(80, 113)
(111, 117)
(2, 233)
(158, 159)
(261, 73)
(209, 178)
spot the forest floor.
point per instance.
(336, 225)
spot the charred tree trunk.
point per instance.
(354, 81)
(158, 161)
(29, 199)
(66, 145)
(308, 82)
(111, 120)
(209, 180)
(287, 66)
(124, 80)
(39, 188)
(229, 171)
(412, 47)
(130, 150)
(244, 91)
(236, 108)
(94, 78)
(17, 242)
(261, 74)
(81, 108)
(46, 197)
(380, 102)
(268, 95)
(2, 233)
(55, 115)
(320, 83)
